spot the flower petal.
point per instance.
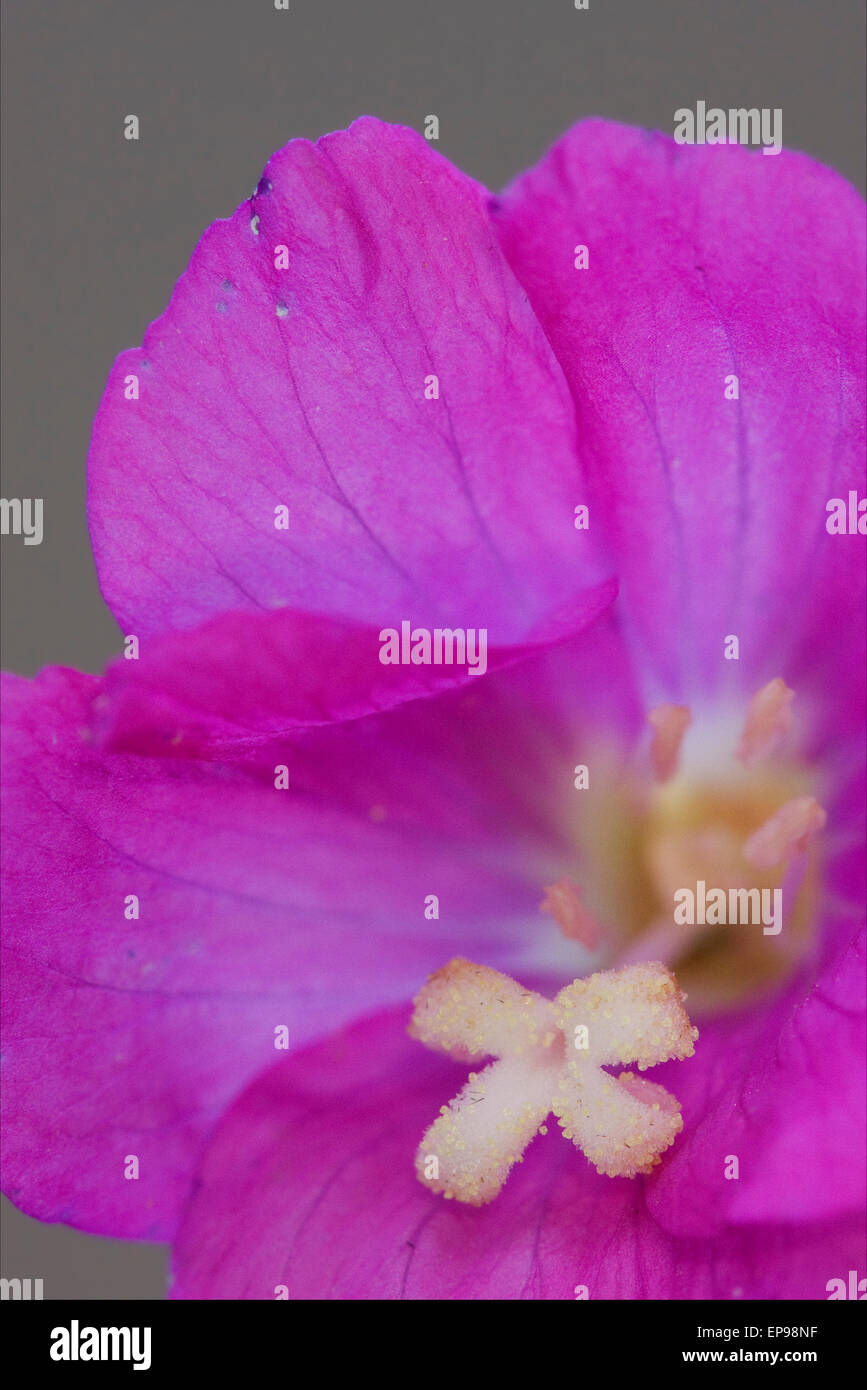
(257, 909)
(707, 263)
(782, 1090)
(309, 1186)
(305, 388)
(242, 681)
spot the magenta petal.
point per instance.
(263, 387)
(309, 1184)
(258, 908)
(707, 262)
(481, 774)
(810, 1157)
(782, 1090)
(242, 681)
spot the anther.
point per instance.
(785, 833)
(563, 901)
(670, 723)
(769, 721)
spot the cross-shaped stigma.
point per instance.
(550, 1058)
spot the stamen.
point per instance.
(670, 723)
(786, 833)
(769, 721)
(550, 1056)
(563, 901)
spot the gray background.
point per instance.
(97, 229)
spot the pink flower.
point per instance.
(380, 395)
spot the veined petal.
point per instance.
(350, 346)
(241, 682)
(780, 1090)
(714, 349)
(165, 920)
(308, 1191)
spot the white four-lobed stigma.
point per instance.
(550, 1056)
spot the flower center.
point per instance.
(705, 866)
(728, 828)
